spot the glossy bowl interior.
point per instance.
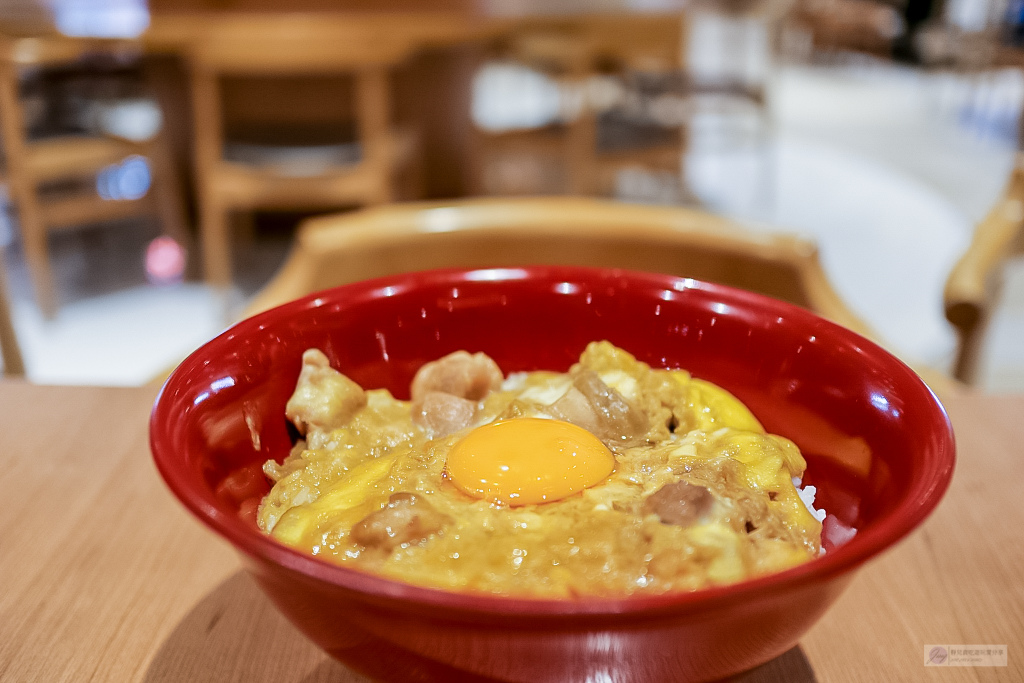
(878, 444)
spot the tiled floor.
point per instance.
(886, 169)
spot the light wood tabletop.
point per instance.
(105, 577)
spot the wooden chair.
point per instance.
(492, 232)
(973, 284)
(299, 46)
(30, 164)
(335, 250)
(564, 157)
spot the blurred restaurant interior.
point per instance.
(160, 159)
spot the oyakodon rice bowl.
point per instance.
(611, 479)
(877, 445)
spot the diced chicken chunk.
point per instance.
(442, 414)
(445, 392)
(601, 410)
(574, 407)
(407, 518)
(680, 503)
(469, 376)
(324, 399)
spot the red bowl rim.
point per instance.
(923, 496)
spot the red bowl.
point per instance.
(878, 444)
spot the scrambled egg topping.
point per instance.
(698, 494)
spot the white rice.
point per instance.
(807, 494)
(832, 529)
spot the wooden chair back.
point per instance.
(300, 44)
(973, 285)
(335, 250)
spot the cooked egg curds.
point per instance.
(610, 479)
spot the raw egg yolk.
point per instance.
(528, 460)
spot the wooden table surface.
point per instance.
(105, 577)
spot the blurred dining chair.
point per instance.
(75, 160)
(335, 250)
(973, 285)
(244, 178)
(525, 141)
(568, 147)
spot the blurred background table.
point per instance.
(107, 578)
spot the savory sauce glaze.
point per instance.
(656, 482)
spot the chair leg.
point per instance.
(208, 150)
(967, 364)
(372, 116)
(216, 244)
(242, 226)
(14, 365)
(166, 191)
(37, 252)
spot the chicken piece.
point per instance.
(324, 399)
(442, 414)
(460, 374)
(407, 518)
(574, 407)
(616, 420)
(680, 503)
(664, 395)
